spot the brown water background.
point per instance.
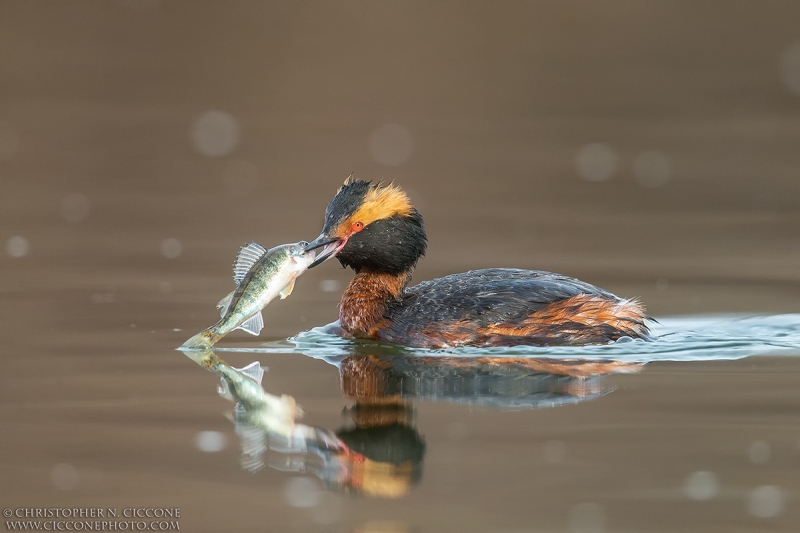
(142, 142)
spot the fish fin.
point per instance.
(254, 370)
(253, 440)
(223, 304)
(254, 324)
(224, 390)
(287, 290)
(248, 256)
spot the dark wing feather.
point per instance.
(486, 296)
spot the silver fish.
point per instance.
(260, 276)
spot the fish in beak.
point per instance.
(330, 247)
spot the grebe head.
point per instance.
(371, 226)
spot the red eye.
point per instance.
(358, 226)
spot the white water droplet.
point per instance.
(329, 285)
(391, 145)
(766, 501)
(74, 207)
(790, 68)
(587, 518)
(554, 451)
(17, 246)
(652, 169)
(211, 441)
(701, 486)
(138, 4)
(92, 480)
(240, 177)
(171, 248)
(329, 510)
(759, 452)
(596, 162)
(9, 143)
(457, 430)
(215, 133)
(64, 476)
(302, 492)
(103, 297)
(384, 526)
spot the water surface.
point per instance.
(143, 142)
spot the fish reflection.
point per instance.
(380, 452)
(263, 421)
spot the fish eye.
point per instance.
(302, 244)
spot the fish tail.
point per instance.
(205, 339)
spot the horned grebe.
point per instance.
(374, 229)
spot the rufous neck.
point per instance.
(365, 299)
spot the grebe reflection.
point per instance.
(379, 452)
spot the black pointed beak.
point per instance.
(332, 245)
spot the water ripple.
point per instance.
(692, 338)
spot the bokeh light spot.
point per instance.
(171, 248)
(596, 162)
(759, 452)
(457, 430)
(138, 4)
(215, 133)
(9, 142)
(74, 207)
(652, 169)
(302, 492)
(790, 68)
(587, 518)
(701, 486)
(210, 441)
(240, 177)
(92, 480)
(329, 285)
(383, 526)
(17, 246)
(103, 298)
(554, 451)
(391, 145)
(329, 510)
(64, 476)
(766, 501)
